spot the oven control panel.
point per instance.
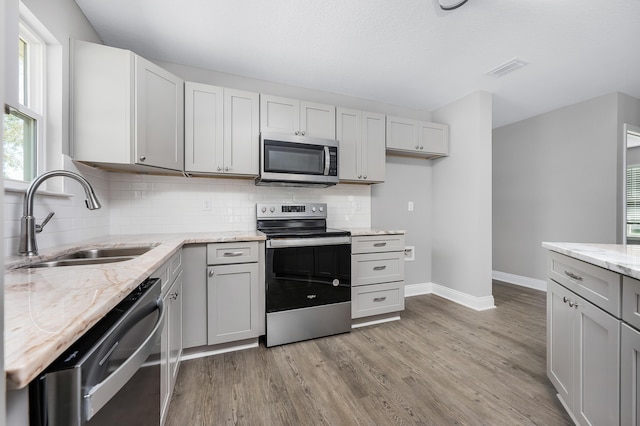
(291, 211)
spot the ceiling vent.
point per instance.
(507, 67)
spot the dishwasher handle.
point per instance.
(100, 394)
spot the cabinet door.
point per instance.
(175, 328)
(373, 147)
(630, 378)
(194, 295)
(560, 354)
(349, 125)
(241, 132)
(596, 366)
(232, 302)
(433, 137)
(159, 109)
(279, 115)
(102, 103)
(317, 120)
(402, 133)
(204, 128)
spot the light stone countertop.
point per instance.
(47, 309)
(363, 232)
(620, 258)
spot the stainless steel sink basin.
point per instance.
(98, 253)
(95, 256)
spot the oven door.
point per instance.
(306, 276)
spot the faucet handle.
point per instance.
(46, 220)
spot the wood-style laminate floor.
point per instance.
(442, 364)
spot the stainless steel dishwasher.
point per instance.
(111, 375)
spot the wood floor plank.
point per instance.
(442, 364)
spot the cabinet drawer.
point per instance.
(631, 301)
(375, 268)
(377, 299)
(377, 243)
(227, 253)
(598, 285)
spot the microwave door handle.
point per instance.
(327, 161)
(100, 394)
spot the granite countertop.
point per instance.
(47, 309)
(620, 258)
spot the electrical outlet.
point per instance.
(409, 253)
(206, 205)
(410, 206)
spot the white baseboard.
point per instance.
(203, 351)
(520, 280)
(473, 302)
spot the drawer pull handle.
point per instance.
(380, 268)
(573, 276)
(379, 299)
(565, 300)
(232, 254)
(379, 244)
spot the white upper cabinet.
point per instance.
(362, 145)
(417, 138)
(221, 130)
(127, 111)
(295, 117)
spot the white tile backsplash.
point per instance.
(140, 204)
(150, 204)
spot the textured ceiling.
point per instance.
(404, 52)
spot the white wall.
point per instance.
(461, 245)
(407, 179)
(556, 177)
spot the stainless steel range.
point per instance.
(307, 271)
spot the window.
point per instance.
(633, 201)
(23, 124)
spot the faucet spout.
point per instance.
(28, 245)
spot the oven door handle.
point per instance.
(99, 395)
(307, 242)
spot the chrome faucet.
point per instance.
(28, 226)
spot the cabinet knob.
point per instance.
(211, 273)
(226, 169)
(365, 176)
(359, 176)
(219, 169)
(417, 146)
(303, 133)
(142, 158)
(422, 147)
(297, 132)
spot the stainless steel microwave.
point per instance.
(291, 160)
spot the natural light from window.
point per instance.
(22, 124)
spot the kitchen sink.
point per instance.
(95, 256)
(99, 253)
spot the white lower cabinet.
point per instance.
(171, 339)
(377, 275)
(232, 299)
(223, 293)
(630, 381)
(583, 357)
